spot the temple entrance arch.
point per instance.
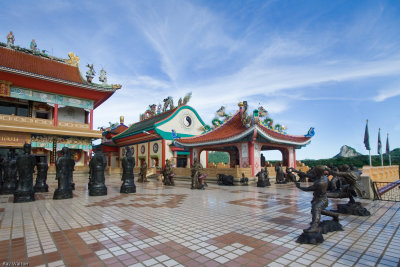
(288, 156)
(231, 149)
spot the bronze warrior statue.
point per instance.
(280, 175)
(290, 176)
(128, 178)
(41, 177)
(350, 187)
(263, 179)
(63, 169)
(196, 175)
(25, 167)
(143, 173)
(168, 173)
(9, 173)
(318, 205)
(97, 166)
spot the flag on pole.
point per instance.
(379, 142)
(387, 145)
(366, 138)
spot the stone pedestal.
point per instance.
(41, 188)
(98, 190)
(24, 196)
(310, 238)
(128, 188)
(329, 226)
(8, 188)
(62, 194)
(353, 209)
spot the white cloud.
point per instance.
(386, 94)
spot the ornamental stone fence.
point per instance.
(382, 174)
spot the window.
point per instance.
(42, 115)
(13, 109)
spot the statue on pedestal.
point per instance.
(71, 172)
(128, 178)
(25, 166)
(313, 234)
(10, 39)
(1, 172)
(263, 178)
(41, 177)
(63, 169)
(280, 175)
(143, 173)
(168, 173)
(9, 173)
(290, 176)
(196, 175)
(350, 187)
(244, 180)
(97, 166)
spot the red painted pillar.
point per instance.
(251, 158)
(163, 154)
(109, 159)
(207, 159)
(55, 115)
(91, 119)
(148, 155)
(85, 157)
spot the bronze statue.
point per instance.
(244, 180)
(25, 167)
(143, 173)
(71, 165)
(41, 177)
(280, 175)
(128, 178)
(350, 187)
(290, 176)
(97, 166)
(9, 173)
(168, 173)
(263, 178)
(1, 172)
(313, 234)
(196, 169)
(63, 169)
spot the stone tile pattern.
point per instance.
(176, 226)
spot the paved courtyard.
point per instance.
(176, 226)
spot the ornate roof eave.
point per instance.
(46, 78)
(240, 136)
(219, 141)
(281, 141)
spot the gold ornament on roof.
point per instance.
(116, 86)
(73, 60)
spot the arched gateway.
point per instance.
(244, 137)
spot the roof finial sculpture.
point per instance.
(103, 77)
(73, 60)
(10, 39)
(33, 45)
(90, 73)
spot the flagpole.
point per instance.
(380, 150)
(370, 160)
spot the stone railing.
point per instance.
(27, 121)
(213, 172)
(382, 174)
(75, 125)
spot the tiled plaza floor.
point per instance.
(171, 226)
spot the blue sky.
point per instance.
(324, 64)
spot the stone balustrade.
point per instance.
(382, 174)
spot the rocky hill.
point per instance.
(347, 152)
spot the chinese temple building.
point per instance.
(46, 102)
(244, 137)
(152, 138)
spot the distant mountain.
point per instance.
(347, 152)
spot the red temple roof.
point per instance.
(234, 130)
(39, 65)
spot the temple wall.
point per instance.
(382, 174)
